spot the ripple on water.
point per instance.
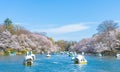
(60, 63)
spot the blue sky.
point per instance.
(61, 19)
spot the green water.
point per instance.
(59, 63)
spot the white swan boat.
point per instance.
(28, 61)
(118, 55)
(29, 58)
(71, 54)
(83, 53)
(99, 54)
(80, 59)
(48, 55)
(33, 55)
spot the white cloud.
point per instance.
(65, 29)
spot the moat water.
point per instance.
(59, 63)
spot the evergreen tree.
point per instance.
(8, 25)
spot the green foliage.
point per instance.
(7, 22)
(6, 52)
(23, 51)
(8, 25)
(65, 45)
(106, 53)
(13, 29)
(52, 40)
(61, 44)
(68, 47)
(12, 50)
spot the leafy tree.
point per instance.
(104, 29)
(107, 26)
(8, 25)
(65, 45)
(61, 44)
(6, 52)
(52, 40)
(24, 51)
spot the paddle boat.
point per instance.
(99, 54)
(118, 55)
(67, 53)
(42, 52)
(71, 54)
(61, 53)
(12, 53)
(28, 60)
(72, 58)
(80, 59)
(33, 55)
(48, 55)
(83, 53)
